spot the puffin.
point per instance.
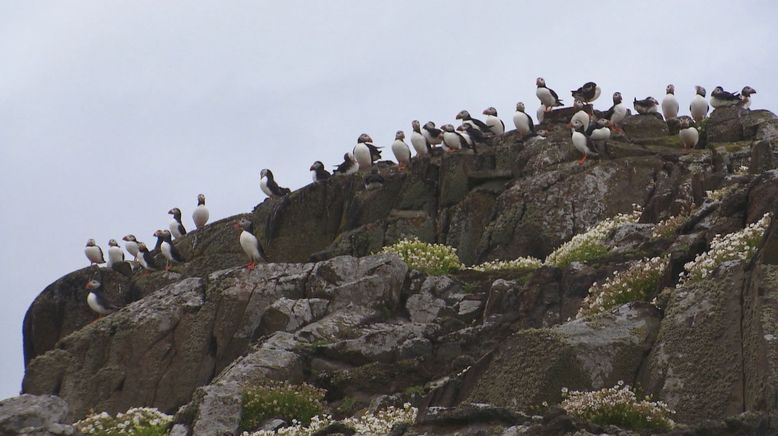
(617, 112)
(523, 121)
(115, 253)
(688, 133)
(318, 173)
(467, 119)
(745, 97)
(540, 113)
(548, 98)
(168, 249)
(580, 114)
(374, 180)
(587, 93)
(646, 106)
(365, 152)
(94, 253)
(131, 245)
(453, 140)
(495, 124)
(433, 134)
(145, 259)
(418, 140)
(269, 186)
(401, 150)
(579, 141)
(475, 135)
(699, 106)
(96, 300)
(349, 165)
(176, 226)
(670, 103)
(599, 133)
(720, 98)
(200, 215)
(250, 244)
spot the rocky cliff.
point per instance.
(475, 351)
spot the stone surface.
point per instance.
(643, 127)
(34, 415)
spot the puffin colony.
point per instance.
(589, 136)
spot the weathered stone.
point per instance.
(34, 415)
(424, 307)
(644, 127)
(762, 157)
(289, 315)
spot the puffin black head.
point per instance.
(130, 238)
(616, 98)
(318, 165)
(266, 173)
(490, 111)
(416, 126)
(685, 122)
(699, 90)
(447, 128)
(246, 225)
(429, 125)
(142, 247)
(93, 285)
(167, 236)
(578, 104)
(364, 138)
(577, 125)
(653, 101)
(747, 91)
(347, 157)
(91, 243)
(399, 135)
(540, 82)
(176, 212)
(113, 243)
(670, 89)
(201, 199)
(463, 115)
(520, 106)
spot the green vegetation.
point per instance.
(138, 421)
(292, 403)
(434, 259)
(522, 264)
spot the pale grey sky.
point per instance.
(112, 112)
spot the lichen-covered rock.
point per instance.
(34, 415)
(645, 127)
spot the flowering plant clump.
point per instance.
(379, 423)
(720, 193)
(590, 245)
(637, 283)
(521, 264)
(138, 421)
(435, 259)
(669, 226)
(618, 406)
(298, 403)
(740, 245)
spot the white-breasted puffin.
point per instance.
(96, 300)
(176, 226)
(115, 253)
(473, 134)
(548, 98)
(269, 186)
(580, 140)
(168, 249)
(467, 119)
(433, 134)
(374, 180)
(401, 150)
(648, 105)
(745, 97)
(599, 133)
(495, 124)
(540, 113)
(453, 140)
(250, 244)
(131, 245)
(365, 152)
(699, 105)
(617, 112)
(670, 105)
(145, 259)
(587, 93)
(523, 121)
(580, 114)
(462, 130)
(94, 253)
(419, 141)
(720, 98)
(200, 215)
(318, 173)
(349, 165)
(688, 133)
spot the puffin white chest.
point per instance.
(249, 244)
(313, 176)
(452, 140)
(619, 113)
(579, 142)
(132, 248)
(94, 304)
(698, 107)
(362, 156)
(670, 106)
(689, 137)
(601, 134)
(583, 117)
(495, 124)
(401, 151)
(115, 255)
(545, 97)
(419, 143)
(167, 251)
(174, 229)
(142, 261)
(263, 186)
(521, 121)
(93, 254)
(200, 216)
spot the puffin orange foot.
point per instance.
(251, 265)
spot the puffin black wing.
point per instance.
(181, 228)
(274, 188)
(175, 253)
(102, 301)
(553, 94)
(531, 123)
(375, 152)
(434, 131)
(609, 113)
(463, 142)
(480, 124)
(102, 258)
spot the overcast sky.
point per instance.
(112, 112)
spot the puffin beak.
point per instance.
(569, 126)
(235, 225)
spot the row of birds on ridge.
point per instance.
(586, 129)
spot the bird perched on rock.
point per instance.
(318, 173)
(200, 215)
(349, 165)
(540, 113)
(365, 152)
(176, 226)
(688, 132)
(374, 180)
(646, 106)
(699, 106)
(467, 119)
(453, 140)
(617, 112)
(548, 98)
(587, 93)
(745, 96)
(168, 249)
(96, 300)
(94, 253)
(401, 150)
(250, 244)
(418, 140)
(599, 133)
(131, 245)
(269, 186)
(495, 124)
(670, 105)
(523, 121)
(145, 259)
(433, 134)
(115, 253)
(580, 140)
(580, 114)
(720, 98)
(473, 135)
